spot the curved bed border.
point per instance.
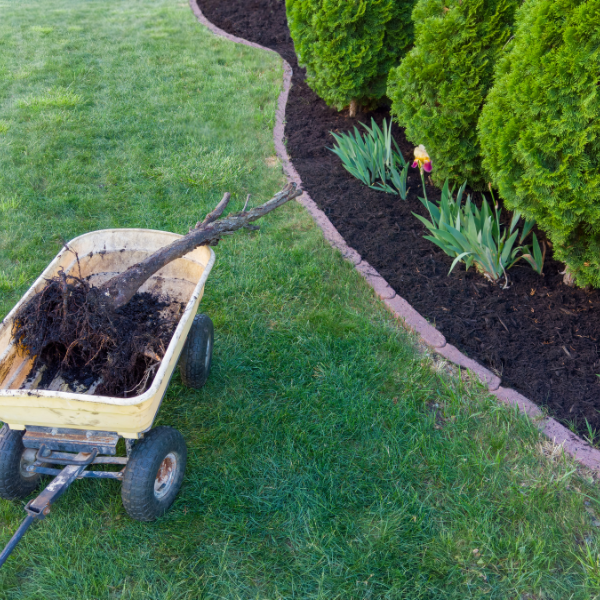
(574, 445)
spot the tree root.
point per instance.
(68, 328)
(112, 331)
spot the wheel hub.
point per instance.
(165, 476)
(27, 459)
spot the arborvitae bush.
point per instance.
(439, 89)
(349, 46)
(540, 128)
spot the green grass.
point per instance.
(327, 458)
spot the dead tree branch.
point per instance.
(121, 288)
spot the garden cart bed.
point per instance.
(102, 254)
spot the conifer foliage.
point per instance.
(349, 46)
(540, 129)
(439, 89)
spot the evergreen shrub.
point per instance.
(349, 46)
(439, 88)
(540, 128)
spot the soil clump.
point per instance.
(71, 333)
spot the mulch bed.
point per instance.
(539, 336)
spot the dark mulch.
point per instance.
(540, 336)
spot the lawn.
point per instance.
(328, 458)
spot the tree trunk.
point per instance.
(121, 288)
(353, 108)
(568, 278)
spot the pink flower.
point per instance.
(422, 159)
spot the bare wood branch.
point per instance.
(217, 212)
(121, 288)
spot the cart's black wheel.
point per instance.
(154, 473)
(15, 481)
(196, 356)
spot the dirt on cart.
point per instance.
(117, 352)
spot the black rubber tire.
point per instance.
(147, 455)
(196, 356)
(14, 484)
